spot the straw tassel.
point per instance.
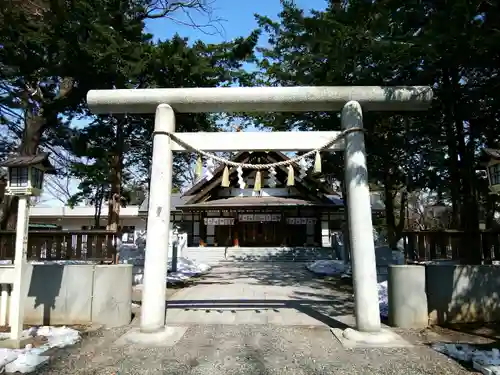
(317, 163)
(272, 177)
(199, 167)
(258, 182)
(291, 178)
(225, 177)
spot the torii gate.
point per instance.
(351, 101)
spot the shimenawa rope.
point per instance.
(287, 162)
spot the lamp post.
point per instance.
(24, 179)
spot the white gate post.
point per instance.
(363, 261)
(158, 225)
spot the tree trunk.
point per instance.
(35, 122)
(99, 197)
(394, 230)
(116, 180)
(451, 137)
(469, 216)
(490, 210)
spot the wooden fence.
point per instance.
(91, 245)
(451, 244)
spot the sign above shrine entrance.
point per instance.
(218, 221)
(259, 218)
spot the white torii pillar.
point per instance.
(350, 100)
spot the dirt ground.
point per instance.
(483, 334)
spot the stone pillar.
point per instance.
(22, 269)
(158, 232)
(364, 269)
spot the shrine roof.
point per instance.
(233, 202)
(176, 201)
(42, 159)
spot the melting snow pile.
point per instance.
(383, 299)
(340, 268)
(485, 361)
(327, 267)
(28, 359)
(186, 268)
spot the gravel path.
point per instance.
(214, 347)
(259, 349)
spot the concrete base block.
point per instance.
(168, 336)
(352, 339)
(407, 310)
(112, 306)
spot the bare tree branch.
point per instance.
(59, 188)
(424, 214)
(175, 11)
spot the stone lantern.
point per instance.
(24, 179)
(25, 174)
(493, 169)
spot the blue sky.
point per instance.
(237, 20)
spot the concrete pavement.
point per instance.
(258, 293)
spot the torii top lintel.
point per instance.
(261, 99)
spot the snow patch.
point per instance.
(186, 269)
(327, 267)
(383, 299)
(340, 268)
(28, 359)
(485, 361)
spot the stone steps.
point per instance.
(213, 255)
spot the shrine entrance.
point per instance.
(260, 234)
(259, 229)
(350, 101)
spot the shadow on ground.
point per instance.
(262, 273)
(270, 288)
(320, 310)
(281, 254)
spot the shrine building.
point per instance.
(303, 213)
